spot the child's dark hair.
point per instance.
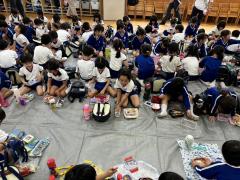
(26, 58)
(173, 49)
(2, 115)
(126, 18)
(225, 33)
(75, 18)
(65, 26)
(86, 26)
(140, 31)
(170, 176)
(88, 50)
(46, 39)
(14, 11)
(231, 152)
(148, 29)
(53, 64)
(219, 51)
(22, 28)
(126, 72)
(179, 27)
(153, 18)
(173, 21)
(192, 51)
(120, 24)
(38, 22)
(3, 24)
(236, 33)
(81, 172)
(165, 41)
(3, 44)
(98, 28)
(53, 35)
(201, 36)
(56, 18)
(146, 49)
(201, 31)
(118, 46)
(194, 20)
(177, 85)
(227, 104)
(100, 63)
(221, 24)
(2, 17)
(26, 20)
(97, 16)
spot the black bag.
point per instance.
(138, 86)
(132, 2)
(78, 90)
(71, 72)
(182, 73)
(109, 32)
(226, 75)
(101, 112)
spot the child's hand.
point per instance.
(235, 119)
(111, 171)
(212, 118)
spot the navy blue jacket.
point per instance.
(129, 28)
(225, 45)
(146, 66)
(158, 49)
(97, 44)
(137, 44)
(191, 31)
(124, 38)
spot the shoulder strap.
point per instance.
(98, 111)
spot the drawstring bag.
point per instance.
(101, 112)
(77, 91)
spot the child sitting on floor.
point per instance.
(128, 25)
(101, 78)
(118, 59)
(8, 58)
(58, 81)
(20, 41)
(210, 65)
(41, 17)
(15, 18)
(179, 35)
(228, 170)
(30, 31)
(85, 65)
(153, 22)
(161, 47)
(122, 34)
(5, 85)
(126, 91)
(170, 63)
(63, 34)
(215, 33)
(192, 28)
(86, 31)
(96, 40)
(145, 63)
(97, 19)
(139, 40)
(40, 29)
(87, 172)
(175, 89)
(31, 76)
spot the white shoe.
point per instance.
(162, 114)
(60, 102)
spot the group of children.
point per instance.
(36, 49)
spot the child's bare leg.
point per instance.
(91, 94)
(125, 103)
(63, 93)
(39, 90)
(135, 101)
(53, 90)
(6, 92)
(190, 113)
(24, 90)
(164, 105)
(111, 91)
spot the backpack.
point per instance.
(226, 75)
(14, 77)
(101, 112)
(8, 172)
(132, 2)
(157, 84)
(109, 32)
(71, 72)
(182, 73)
(78, 90)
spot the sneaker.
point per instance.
(162, 114)
(60, 102)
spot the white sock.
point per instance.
(163, 110)
(195, 117)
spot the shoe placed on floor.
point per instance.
(194, 117)
(60, 102)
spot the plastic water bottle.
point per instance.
(86, 112)
(3, 102)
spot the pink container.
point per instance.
(86, 112)
(3, 102)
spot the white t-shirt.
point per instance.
(14, 19)
(40, 30)
(201, 4)
(168, 66)
(116, 63)
(128, 88)
(178, 37)
(20, 39)
(63, 35)
(85, 69)
(42, 55)
(31, 76)
(62, 77)
(8, 58)
(86, 35)
(57, 44)
(191, 65)
(103, 76)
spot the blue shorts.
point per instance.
(99, 86)
(114, 74)
(34, 86)
(57, 83)
(133, 93)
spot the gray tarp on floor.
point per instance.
(148, 138)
